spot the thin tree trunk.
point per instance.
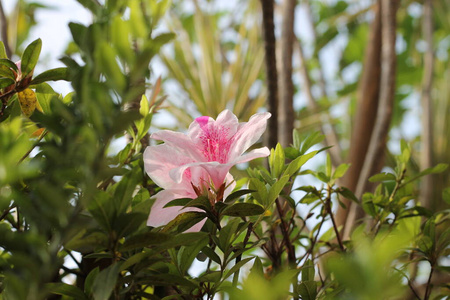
(286, 105)
(4, 31)
(426, 154)
(271, 137)
(367, 105)
(380, 132)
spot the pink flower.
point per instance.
(202, 158)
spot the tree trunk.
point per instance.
(286, 106)
(377, 144)
(367, 105)
(426, 154)
(271, 137)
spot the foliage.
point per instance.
(73, 207)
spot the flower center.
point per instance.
(215, 141)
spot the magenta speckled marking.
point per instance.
(202, 121)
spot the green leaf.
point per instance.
(144, 107)
(329, 166)
(45, 94)
(182, 240)
(243, 210)
(348, 194)
(297, 163)
(275, 190)
(237, 267)
(178, 202)
(6, 72)
(65, 289)
(308, 271)
(144, 240)
(382, 177)
(261, 191)
(238, 194)
(5, 82)
(187, 254)
(10, 64)
(212, 255)
(105, 282)
(30, 57)
(52, 75)
(307, 290)
(185, 220)
(322, 177)
(90, 4)
(446, 195)
(276, 161)
(2, 50)
(340, 171)
(88, 283)
(106, 58)
(311, 140)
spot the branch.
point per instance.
(271, 71)
(4, 31)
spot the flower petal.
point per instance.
(180, 141)
(248, 134)
(215, 172)
(255, 153)
(160, 159)
(160, 215)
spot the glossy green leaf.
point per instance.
(297, 163)
(238, 194)
(243, 210)
(382, 177)
(52, 75)
(276, 189)
(276, 161)
(30, 57)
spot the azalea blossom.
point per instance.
(200, 160)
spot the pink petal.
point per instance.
(217, 172)
(160, 215)
(255, 153)
(159, 160)
(248, 134)
(180, 141)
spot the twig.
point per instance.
(284, 229)
(6, 212)
(428, 288)
(314, 241)
(4, 31)
(239, 257)
(34, 146)
(328, 208)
